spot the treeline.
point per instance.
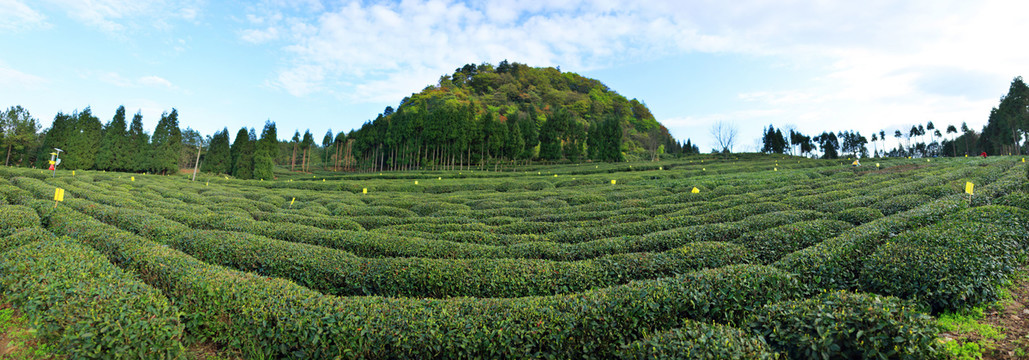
(1006, 132)
(482, 116)
(86, 143)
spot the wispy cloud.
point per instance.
(117, 16)
(19, 80)
(18, 16)
(148, 81)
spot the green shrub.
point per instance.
(14, 217)
(954, 264)
(24, 236)
(696, 340)
(86, 306)
(859, 215)
(771, 244)
(845, 325)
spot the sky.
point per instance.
(316, 64)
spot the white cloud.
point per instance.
(155, 81)
(880, 64)
(18, 16)
(117, 16)
(14, 79)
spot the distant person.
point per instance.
(983, 154)
(856, 163)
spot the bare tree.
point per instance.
(725, 134)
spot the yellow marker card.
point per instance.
(133, 178)
(612, 181)
(59, 194)
(364, 190)
(291, 201)
(416, 182)
(969, 186)
(695, 190)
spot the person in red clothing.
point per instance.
(983, 154)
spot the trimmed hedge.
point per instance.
(835, 264)
(859, 215)
(87, 307)
(846, 325)
(696, 340)
(265, 317)
(771, 244)
(958, 263)
(24, 236)
(14, 217)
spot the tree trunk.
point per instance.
(293, 161)
(8, 161)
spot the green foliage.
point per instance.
(859, 215)
(219, 157)
(697, 340)
(841, 324)
(86, 306)
(771, 244)
(953, 264)
(14, 217)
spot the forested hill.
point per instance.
(511, 112)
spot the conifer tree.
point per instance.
(84, 141)
(218, 158)
(112, 155)
(264, 162)
(138, 145)
(166, 144)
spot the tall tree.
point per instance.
(166, 143)
(138, 145)
(306, 144)
(112, 154)
(725, 135)
(952, 130)
(267, 146)
(18, 130)
(242, 151)
(218, 159)
(327, 142)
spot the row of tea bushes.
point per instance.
(14, 217)
(339, 273)
(957, 263)
(771, 244)
(846, 325)
(85, 306)
(264, 317)
(697, 340)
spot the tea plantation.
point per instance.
(703, 257)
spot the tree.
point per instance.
(264, 155)
(952, 130)
(112, 154)
(242, 151)
(18, 130)
(83, 141)
(327, 141)
(166, 144)
(138, 145)
(296, 143)
(306, 144)
(830, 145)
(218, 159)
(725, 135)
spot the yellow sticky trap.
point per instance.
(439, 178)
(695, 190)
(969, 186)
(555, 175)
(966, 155)
(291, 201)
(612, 181)
(73, 173)
(416, 182)
(364, 190)
(775, 169)
(703, 169)
(323, 180)
(208, 183)
(59, 194)
(660, 167)
(876, 165)
(1023, 159)
(133, 178)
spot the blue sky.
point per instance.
(810, 65)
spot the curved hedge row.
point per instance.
(957, 263)
(771, 244)
(14, 217)
(836, 263)
(845, 325)
(87, 307)
(24, 236)
(339, 273)
(274, 318)
(696, 340)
